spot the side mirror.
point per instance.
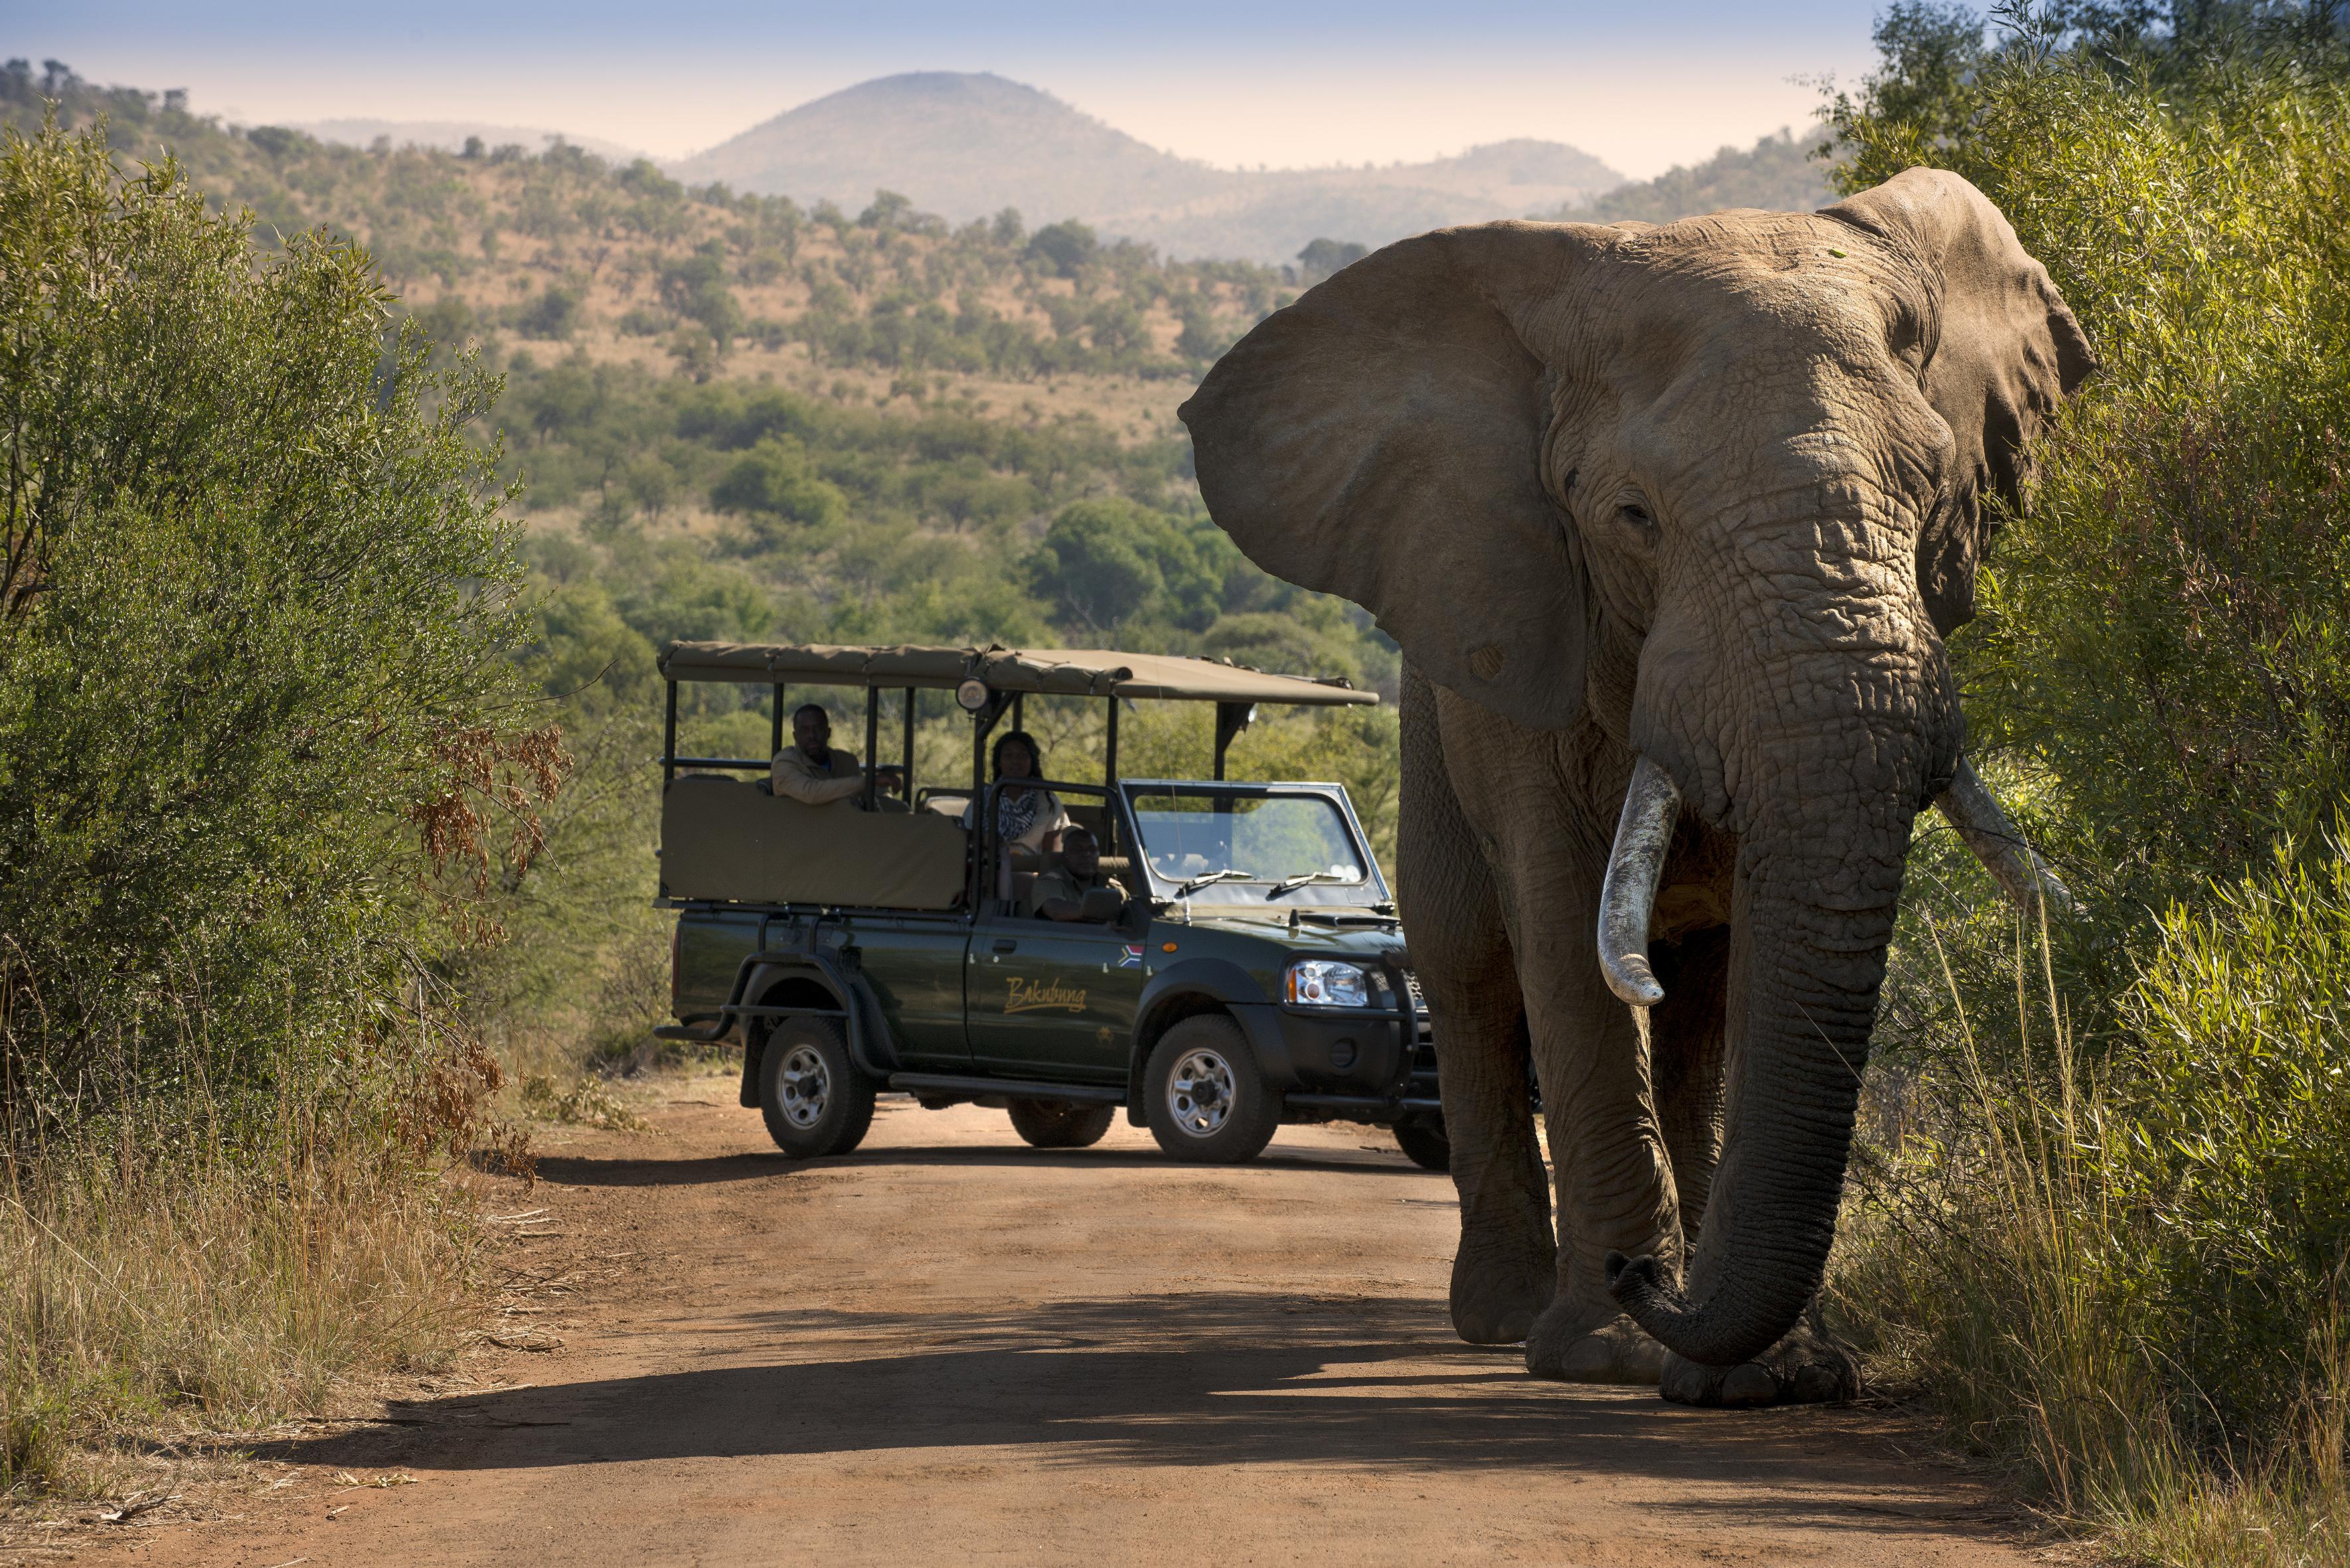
(1100, 905)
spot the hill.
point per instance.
(1777, 174)
(966, 146)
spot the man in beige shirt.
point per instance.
(810, 770)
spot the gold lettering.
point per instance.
(1041, 996)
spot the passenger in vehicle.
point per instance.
(1059, 894)
(811, 770)
(1031, 817)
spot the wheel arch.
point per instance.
(811, 984)
(1185, 990)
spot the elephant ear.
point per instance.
(1382, 438)
(2007, 352)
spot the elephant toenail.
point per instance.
(1748, 1384)
(1820, 1386)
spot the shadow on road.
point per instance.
(577, 1170)
(1169, 1379)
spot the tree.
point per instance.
(1199, 338)
(1320, 258)
(555, 314)
(1066, 245)
(1094, 562)
(775, 481)
(259, 621)
(888, 210)
(696, 288)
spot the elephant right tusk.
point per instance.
(1986, 830)
(1629, 897)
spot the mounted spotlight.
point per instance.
(973, 695)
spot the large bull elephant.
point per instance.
(1671, 524)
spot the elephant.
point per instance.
(1671, 524)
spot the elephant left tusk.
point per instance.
(1986, 830)
(1629, 897)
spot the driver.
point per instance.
(1059, 894)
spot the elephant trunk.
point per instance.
(1802, 1000)
(1818, 880)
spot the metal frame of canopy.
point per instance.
(988, 682)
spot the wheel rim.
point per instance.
(807, 1086)
(1200, 1093)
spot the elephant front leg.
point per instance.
(1452, 918)
(1615, 1183)
(1501, 1275)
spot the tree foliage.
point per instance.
(257, 697)
(2116, 1203)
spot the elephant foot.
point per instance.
(1617, 1351)
(1498, 1305)
(1808, 1367)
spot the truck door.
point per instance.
(1051, 999)
(915, 967)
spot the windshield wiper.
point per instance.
(1291, 884)
(1226, 875)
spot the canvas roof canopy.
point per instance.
(1051, 672)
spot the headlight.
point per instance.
(1324, 983)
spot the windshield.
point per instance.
(1251, 843)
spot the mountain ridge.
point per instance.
(966, 145)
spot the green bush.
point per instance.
(256, 685)
(2107, 1198)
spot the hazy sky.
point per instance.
(1273, 82)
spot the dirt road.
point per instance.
(949, 1347)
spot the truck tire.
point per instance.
(1205, 1099)
(814, 1100)
(1425, 1143)
(1058, 1124)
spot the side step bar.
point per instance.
(942, 1083)
(1357, 1103)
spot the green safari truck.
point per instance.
(1253, 972)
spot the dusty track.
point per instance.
(949, 1347)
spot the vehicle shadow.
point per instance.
(620, 1170)
(1181, 1379)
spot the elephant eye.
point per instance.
(1636, 515)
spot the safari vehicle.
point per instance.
(1255, 975)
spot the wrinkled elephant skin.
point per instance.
(1701, 501)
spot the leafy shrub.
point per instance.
(775, 480)
(262, 745)
(2111, 1192)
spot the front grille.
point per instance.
(1422, 1084)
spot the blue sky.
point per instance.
(1273, 83)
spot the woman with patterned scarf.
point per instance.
(1030, 817)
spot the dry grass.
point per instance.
(151, 1302)
(2002, 1265)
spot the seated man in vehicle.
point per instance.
(1077, 889)
(813, 772)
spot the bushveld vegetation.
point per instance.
(261, 733)
(556, 247)
(2106, 1220)
(278, 790)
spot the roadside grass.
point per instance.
(146, 1301)
(2122, 1275)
